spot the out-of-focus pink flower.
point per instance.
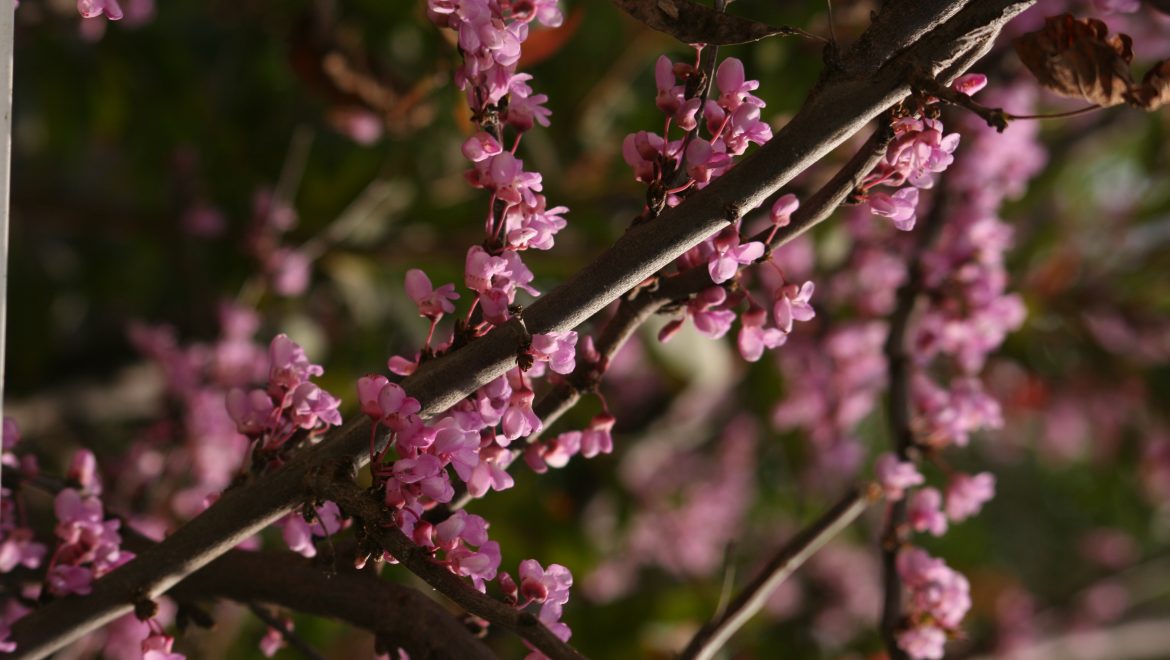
(251, 411)
(895, 476)
(158, 647)
(923, 512)
(95, 8)
(923, 642)
(967, 494)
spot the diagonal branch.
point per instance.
(712, 636)
(378, 525)
(956, 33)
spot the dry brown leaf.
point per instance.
(693, 23)
(1077, 58)
(1154, 92)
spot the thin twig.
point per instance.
(712, 636)
(279, 625)
(898, 415)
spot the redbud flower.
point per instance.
(598, 438)
(899, 207)
(792, 304)
(94, 8)
(730, 255)
(966, 494)
(431, 302)
(923, 642)
(783, 208)
(971, 83)
(896, 476)
(754, 337)
(480, 147)
(251, 411)
(923, 512)
(559, 349)
(158, 647)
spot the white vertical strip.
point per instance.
(7, 20)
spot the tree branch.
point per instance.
(377, 523)
(712, 636)
(839, 106)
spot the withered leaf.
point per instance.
(1154, 92)
(1077, 58)
(693, 23)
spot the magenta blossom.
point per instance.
(895, 476)
(730, 255)
(559, 349)
(923, 512)
(967, 494)
(432, 303)
(95, 8)
(792, 304)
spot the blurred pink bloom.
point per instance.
(895, 476)
(431, 302)
(967, 494)
(923, 512)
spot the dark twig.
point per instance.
(712, 636)
(898, 415)
(279, 625)
(942, 38)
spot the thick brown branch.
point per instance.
(378, 525)
(398, 614)
(945, 38)
(712, 636)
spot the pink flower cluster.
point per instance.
(288, 268)
(89, 546)
(919, 150)
(938, 598)
(299, 533)
(270, 417)
(548, 588)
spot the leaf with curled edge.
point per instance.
(1154, 92)
(693, 23)
(1077, 58)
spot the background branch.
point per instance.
(715, 633)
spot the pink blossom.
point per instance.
(744, 128)
(11, 434)
(730, 255)
(895, 476)
(923, 642)
(95, 8)
(273, 639)
(432, 303)
(670, 96)
(67, 579)
(158, 647)
(461, 527)
(290, 271)
(899, 207)
(251, 411)
(524, 107)
(705, 161)
(967, 494)
(395, 405)
(550, 587)
(289, 366)
(480, 565)
(754, 337)
(83, 471)
(559, 349)
(923, 512)
(792, 304)
(310, 406)
(783, 208)
(705, 312)
(642, 151)
(519, 420)
(480, 147)
(557, 452)
(598, 438)
(734, 89)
